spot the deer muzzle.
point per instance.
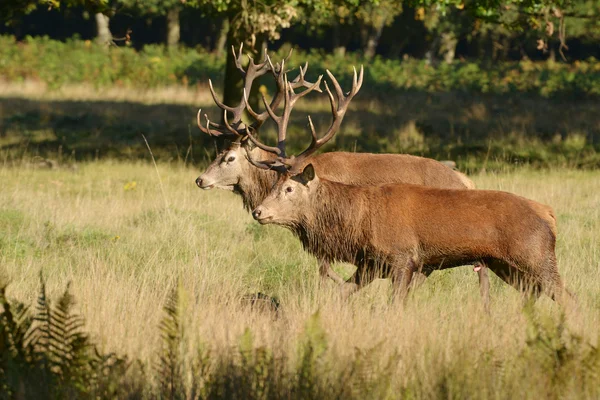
(259, 214)
(202, 184)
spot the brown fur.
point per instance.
(255, 186)
(408, 227)
(356, 169)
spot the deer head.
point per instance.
(231, 164)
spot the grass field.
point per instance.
(125, 234)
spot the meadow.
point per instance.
(161, 271)
(127, 235)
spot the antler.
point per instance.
(252, 72)
(338, 114)
(290, 98)
(338, 111)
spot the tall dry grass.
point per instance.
(105, 227)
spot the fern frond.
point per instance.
(169, 366)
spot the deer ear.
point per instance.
(308, 174)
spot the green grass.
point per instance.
(125, 251)
(58, 64)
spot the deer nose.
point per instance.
(256, 213)
(199, 182)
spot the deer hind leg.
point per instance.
(553, 286)
(484, 284)
(525, 283)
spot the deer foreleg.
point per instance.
(325, 271)
(402, 274)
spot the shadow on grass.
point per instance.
(474, 130)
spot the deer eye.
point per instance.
(289, 189)
(230, 159)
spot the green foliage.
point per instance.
(57, 64)
(561, 353)
(46, 354)
(170, 363)
(76, 61)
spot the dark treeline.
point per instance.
(409, 34)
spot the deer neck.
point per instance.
(255, 185)
(334, 227)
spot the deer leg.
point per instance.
(418, 279)
(528, 285)
(402, 275)
(484, 284)
(325, 271)
(362, 277)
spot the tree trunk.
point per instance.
(104, 37)
(552, 54)
(448, 46)
(222, 40)
(373, 41)
(173, 28)
(339, 50)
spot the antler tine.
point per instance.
(314, 86)
(238, 58)
(199, 122)
(206, 129)
(217, 101)
(228, 126)
(208, 126)
(337, 112)
(338, 89)
(289, 55)
(356, 84)
(276, 165)
(252, 113)
(270, 149)
(313, 134)
(257, 164)
(270, 111)
(331, 100)
(270, 63)
(299, 81)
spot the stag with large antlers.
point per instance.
(232, 169)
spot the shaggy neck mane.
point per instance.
(334, 226)
(255, 186)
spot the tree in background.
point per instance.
(251, 23)
(372, 19)
(170, 9)
(102, 10)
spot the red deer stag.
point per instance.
(401, 228)
(232, 170)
